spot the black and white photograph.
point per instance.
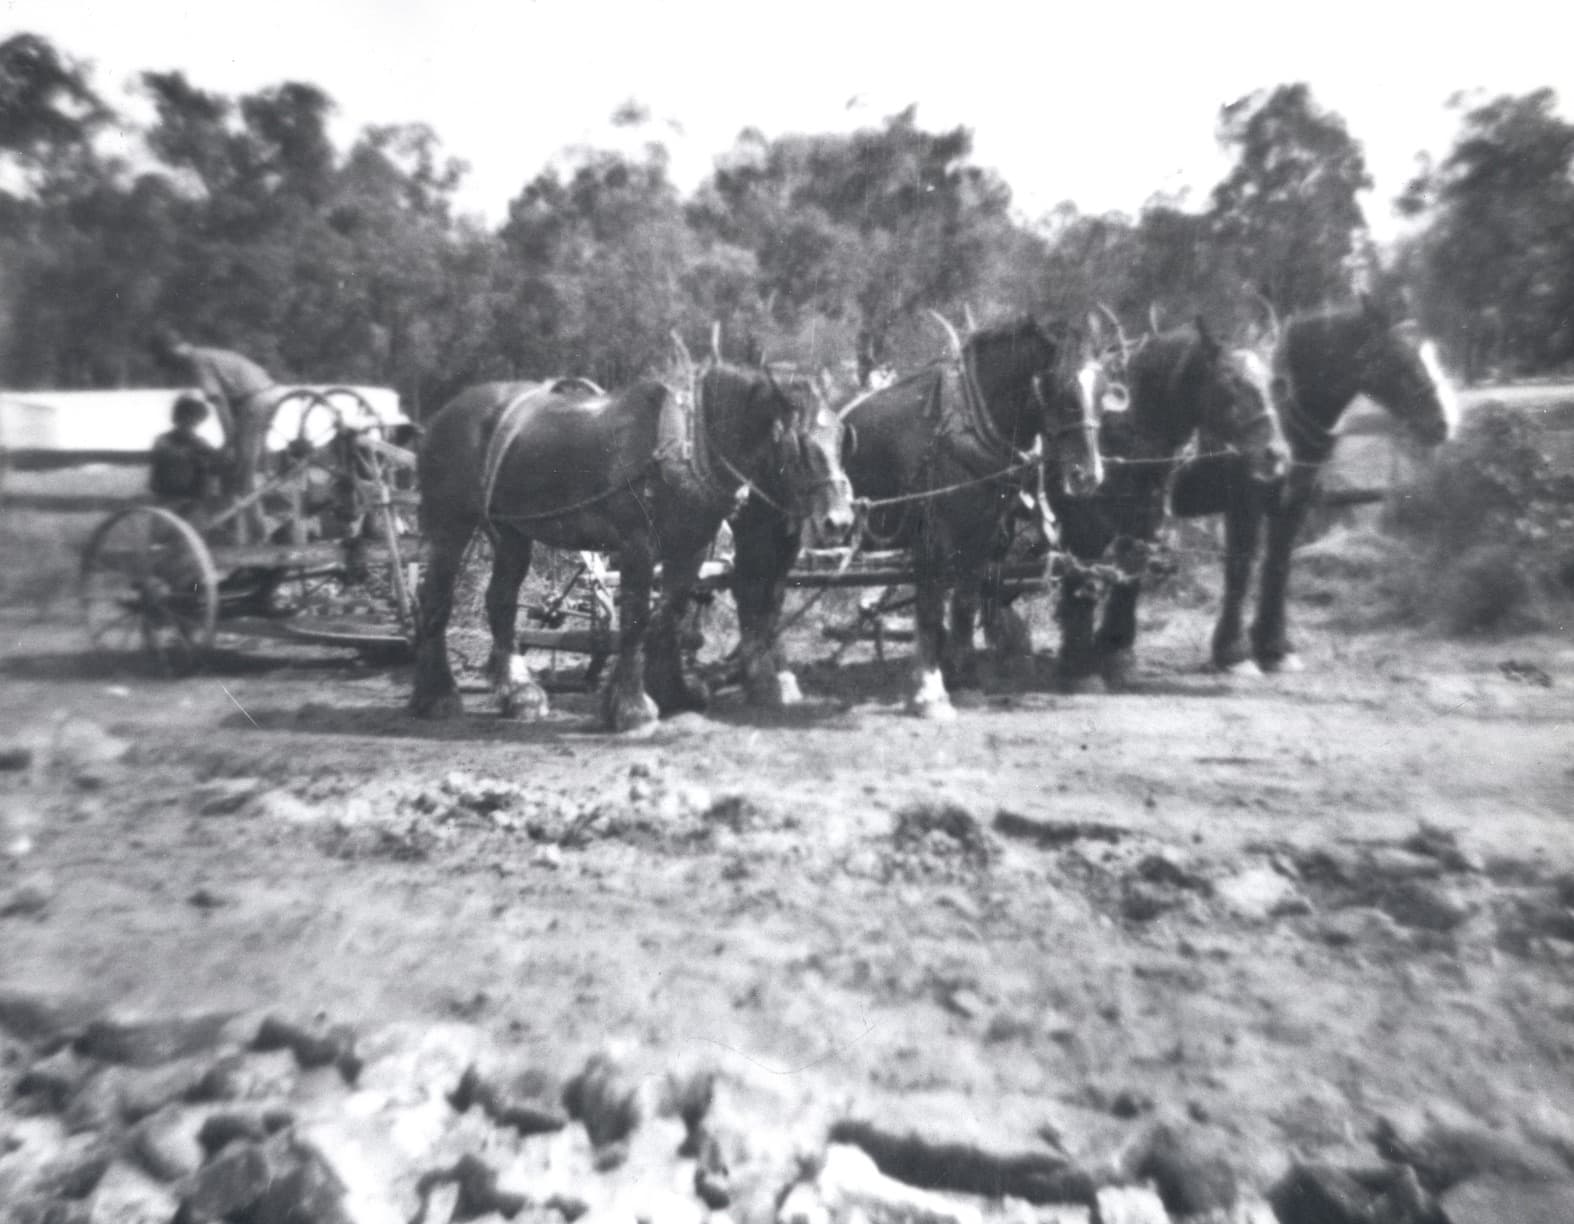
(632, 612)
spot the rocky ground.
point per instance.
(271, 950)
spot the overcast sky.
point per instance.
(1100, 101)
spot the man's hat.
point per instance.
(190, 407)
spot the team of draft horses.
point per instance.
(1097, 435)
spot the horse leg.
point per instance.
(961, 664)
(1006, 631)
(674, 693)
(1242, 526)
(434, 694)
(1270, 639)
(929, 699)
(1078, 661)
(518, 694)
(625, 705)
(1117, 635)
(765, 545)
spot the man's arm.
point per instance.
(208, 382)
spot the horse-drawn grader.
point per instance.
(335, 568)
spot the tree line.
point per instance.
(241, 223)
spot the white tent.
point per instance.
(128, 421)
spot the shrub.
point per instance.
(1492, 527)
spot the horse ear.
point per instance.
(1096, 328)
(1205, 337)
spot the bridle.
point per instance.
(1086, 424)
(1266, 418)
(705, 451)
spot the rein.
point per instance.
(976, 418)
(872, 503)
(621, 487)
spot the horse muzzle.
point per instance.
(1081, 479)
(1269, 464)
(832, 515)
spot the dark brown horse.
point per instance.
(647, 473)
(1321, 362)
(942, 455)
(1184, 386)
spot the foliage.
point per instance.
(1493, 523)
(1288, 210)
(595, 261)
(1495, 264)
(241, 222)
(872, 227)
(1284, 224)
(48, 111)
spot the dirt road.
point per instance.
(1275, 910)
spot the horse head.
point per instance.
(1232, 393)
(806, 442)
(1403, 375)
(1048, 383)
(1240, 410)
(1187, 384)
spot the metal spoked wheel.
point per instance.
(148, 584)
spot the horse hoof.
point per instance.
(437, 708)
(1284, 665)
(526, 702)
(1242, 669)
(933, 709)
(1009, 637)
(684, 697)
(631, 713)
(1117, 670)
(774, 690)
(1084, 684)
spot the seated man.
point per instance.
(186, 468)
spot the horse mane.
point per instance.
(786, 380)
(1014, 328)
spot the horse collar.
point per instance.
(1318, 437)
(975, 412)
(698, 454)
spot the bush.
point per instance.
(1490, 482)
(1491, 527)
(1485, 590)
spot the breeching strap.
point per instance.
(510, 422)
